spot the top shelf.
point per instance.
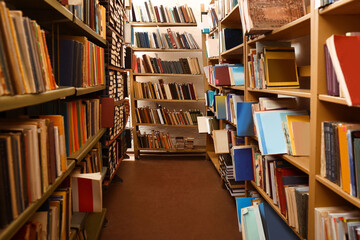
(154, 24)
(233, 18)
(48, 12)
(295, 29)
(341, 8)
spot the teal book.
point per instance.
(242, 203)
(252, 224)
(238, 74)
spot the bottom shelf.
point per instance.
(94, 223)
(215, 160)
(269, 200)
(107, 182)
(198, 149)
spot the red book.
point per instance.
(192, 92)
(171, 38)
(160, 66)
(222, 77)
(107, 112)
(157, 14)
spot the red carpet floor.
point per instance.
(169, 200)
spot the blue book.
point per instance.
(242, 162)
(233, 37)
(238, 74)
(210, 96)
(242, 203)
(244, 119)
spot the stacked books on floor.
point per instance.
(147, 64)
(340, 68)
(273, 65)
(340, 155)
(169, 40)
(161, 14)
(235, 188)
(161, 90)
(161, 115)
(156, 140)
(51, 221)
(33, 154)
(116, 86)
(257, 220)
(257, 18)
(92, 162)
(225, 74)
(81, 62)
(337, 222)
(184, 143)
(25, 63)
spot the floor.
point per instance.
(177, 199)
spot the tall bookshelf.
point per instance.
(311, 32)
(172, 103)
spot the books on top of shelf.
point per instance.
(92, 162)
(161, 14)
(156, 140)
(161, 90)
(225, 7)
(24, 59)
(147, 64)
(258, 16)
(340, 49)
(225, 74)
(168, 40)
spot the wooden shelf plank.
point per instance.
(15, 225)
(238, 50)
(332, 99)
(298, 28)
(231, 123)
(197, 149)
(213, 31)
(166, 75)
(213, 86)
(169, 100)
(341, 8)
(338, 190)
(94, 223)
(215, 160)
(107, 182)
(301, 163)
(211, 109)
(87, 90)
(151, 24)
(165, 50)
(216, 58)
(237, 87)
(165, 125)
(118, 69)
(269, 200)
(90, 143)
(233, 18)
(296, 92)
(18, 101)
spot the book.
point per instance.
(242, 157)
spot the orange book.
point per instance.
(344, 157)
(48, 63)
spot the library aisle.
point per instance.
(163, 198)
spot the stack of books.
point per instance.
(189, 143)
(147, 64)
(156, 140)
(116, 86)
(179, 143)
(115, 52)
(235, 188)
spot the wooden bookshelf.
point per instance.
(166, 75)
(215, 160)
(232, 19)
(153, 24)
(214, 31)
(332, 99)
(301, 163)
(169, 100)
(165, 50)
(87, 146)
(344, 7)
(117, 69)
(237, 87)
(213, 58)
(87, 90)
(16, 224)
(25, 100)
(238, 50)
(213, 86)
(296, 92)
(196, 149)
(94, 223)
(165, 125)
(107, 182)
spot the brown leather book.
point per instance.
(157, 14)
(171, 38)
(186, 17)
(107, 112)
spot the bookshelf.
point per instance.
(170, 78)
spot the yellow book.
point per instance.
(299, 133)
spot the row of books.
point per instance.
(340, 69)
(120, 117)
(147, 64)
(155, 139)
(340, 145)
(161, 90)
(33, 155)
(161, 14)
(257, 220)
(25, 63)
(92, 162)
(115, 15)
(323, 3)
(117, 54)
(287, 186)
(225, 7)
(81, 62)
(164, 116)
(273, 65)
(212, 19)
(226, 167)
(257, 16)
(225, 74)
(168, 40)
(52, 220)
(184, 143)
(116, 85)
(337, 222)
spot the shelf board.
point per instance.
(214, 31)
(94, 223)
(107, 182)
(165, 125)
(332, 99)
(152, 24)
(86, 30)
(112, 140)
(231, 123)
(87, 90)
(215, 160)
(298, 28)
(213, 58)
(213, 86)
(88, 145)
(233, 18)
(166, 75)
(338, 190)
(301, 163)
(117, 69)
(341, 8)
(236, 87)
(196, 149)
(14, 226)
(211, 109)
(165, 50)
(296, 92)
(169, 100)
(238, 50)
(269, 200)
(18, 101)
